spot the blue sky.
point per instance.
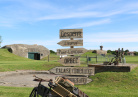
(112, 23)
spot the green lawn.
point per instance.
(11, 62)
(113, 84)
(131, 59)
(105, 84)
(5, 55)
(26, 65)
(14, 91)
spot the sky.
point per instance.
(111, 23)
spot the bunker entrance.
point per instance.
(34, 55)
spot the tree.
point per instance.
(114, 52)
(0, 41)
(126, 51)
(135, 53)
(52, 52)
(109, 51)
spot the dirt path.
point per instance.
(24, 78)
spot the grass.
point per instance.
(11, 62)
(14, 91)
(131, 59)
(26, 65)
(113, 84)
(5, 55)
(52, 57)
(105, 84)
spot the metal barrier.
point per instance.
(87, 59)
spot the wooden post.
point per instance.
(87, 59)
(48, 58)
(96, 59)
(71, 46)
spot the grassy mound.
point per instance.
(5, 55)
(11, 62)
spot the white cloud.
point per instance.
(91, 41)
(111, 40)
(134, 12)
(39, 42)
(85, 14)
(88, 24)
(102, 9)
(111, 13)
(33, 11)
(69, 15)
(111, 37)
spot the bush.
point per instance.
(136, 53)
(109, 51)
(52, 52)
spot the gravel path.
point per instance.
(24, 78)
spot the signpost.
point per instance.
(71, 51)
(71, 43)
(71, 33)
(70, 61)
(78, 79)
(85, 71)
(78, 74)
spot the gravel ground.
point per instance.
(24, 78)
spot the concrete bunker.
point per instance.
(35, 52)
